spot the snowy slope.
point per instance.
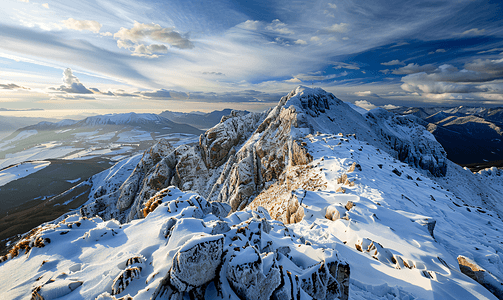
(183, 246)
(380, 196)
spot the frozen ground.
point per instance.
(21, 170)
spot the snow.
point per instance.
(400, 229)
(99, 151)
(41, 152)
(134, 136)
(73, 181)
(21, 170)
(23, 135)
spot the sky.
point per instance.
(121, 55)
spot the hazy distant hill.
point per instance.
(10, 124)
(197, 119)
(470, 135)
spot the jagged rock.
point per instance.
(248, 276)
(355, 166)
(196, 262)
(484, 277)
(245, 155)
(147, 178)
(335, 212)
(124, 279)
(376, 250)
(429, 223)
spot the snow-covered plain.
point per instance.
(21, 170)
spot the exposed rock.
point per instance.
(484, 277)
(245, 155)
(124, 279)
(429, 223)
(413, 144)
(335, 212)
(196, 262)
(236, 258)
(249, 278)
(355, 167)
(278, 198)
(327, 280)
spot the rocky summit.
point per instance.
(312, 199)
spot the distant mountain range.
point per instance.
(197, 119)
(470, 135)
(10, 124)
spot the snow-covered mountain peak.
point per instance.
(310, 100)
(372, 193)
(119, 119)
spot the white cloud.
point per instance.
(279, 27)
(300, 42)
(336, 28)
(331, 5)
(314, 39)
(46, 5)
(142, 32)
(414, 68)
(437, 51)
(447, 79)
(341, 65)
(25, 1)
(294, 80)
(385, 71)
(80, 25)
(365, 104)
(489, 66)
(250, 25)
(149, 50)
(106, 33)
(474, 31)
(366, 94)
(393, 63)
(71, 84)
(390, 106)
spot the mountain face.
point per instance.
(468, 134)
(245, 153)
(309, 200)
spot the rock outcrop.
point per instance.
(243, 255)
(484, 277)
(245, 154)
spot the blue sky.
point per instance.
(204, 55)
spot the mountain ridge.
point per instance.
(369, 198)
